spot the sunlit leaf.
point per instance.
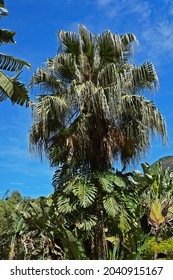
(156, 213)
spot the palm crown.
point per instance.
(90, 110)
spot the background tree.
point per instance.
(7, 208)
(11, 87)
(91, 112)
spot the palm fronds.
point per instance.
(102, 90)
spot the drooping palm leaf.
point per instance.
(145, 76)
(49, 82)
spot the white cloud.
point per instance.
(150, 21)
(123, 7)
(158, 38)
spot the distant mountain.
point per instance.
(166, 162)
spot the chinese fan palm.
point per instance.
(11, 87)
(90, 110)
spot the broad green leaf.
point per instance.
(124, 221)
(112, 239)
(64, 205)
(111, 206)
(118, 181)
(106, 184)
(13, 89)
(86, 222)
(85, 193)
(156, 213)
(9, 63)
(155, 187)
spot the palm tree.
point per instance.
(90, 111)
(11, 87)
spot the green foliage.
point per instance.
(111, 206)
(37, 232)
(63, 225)
(160, 246)
(8, 224)
(85, 193)
(115, 250)
(119, 205)
(10, 87)
(74, 247)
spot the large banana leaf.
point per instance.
(156, 216)
(13, 89)
(10, 63)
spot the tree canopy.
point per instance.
(91, 109)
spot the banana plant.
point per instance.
(11, 87)
(156, 197)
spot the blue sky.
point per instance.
(36, 24)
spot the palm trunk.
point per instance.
(99, 237)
